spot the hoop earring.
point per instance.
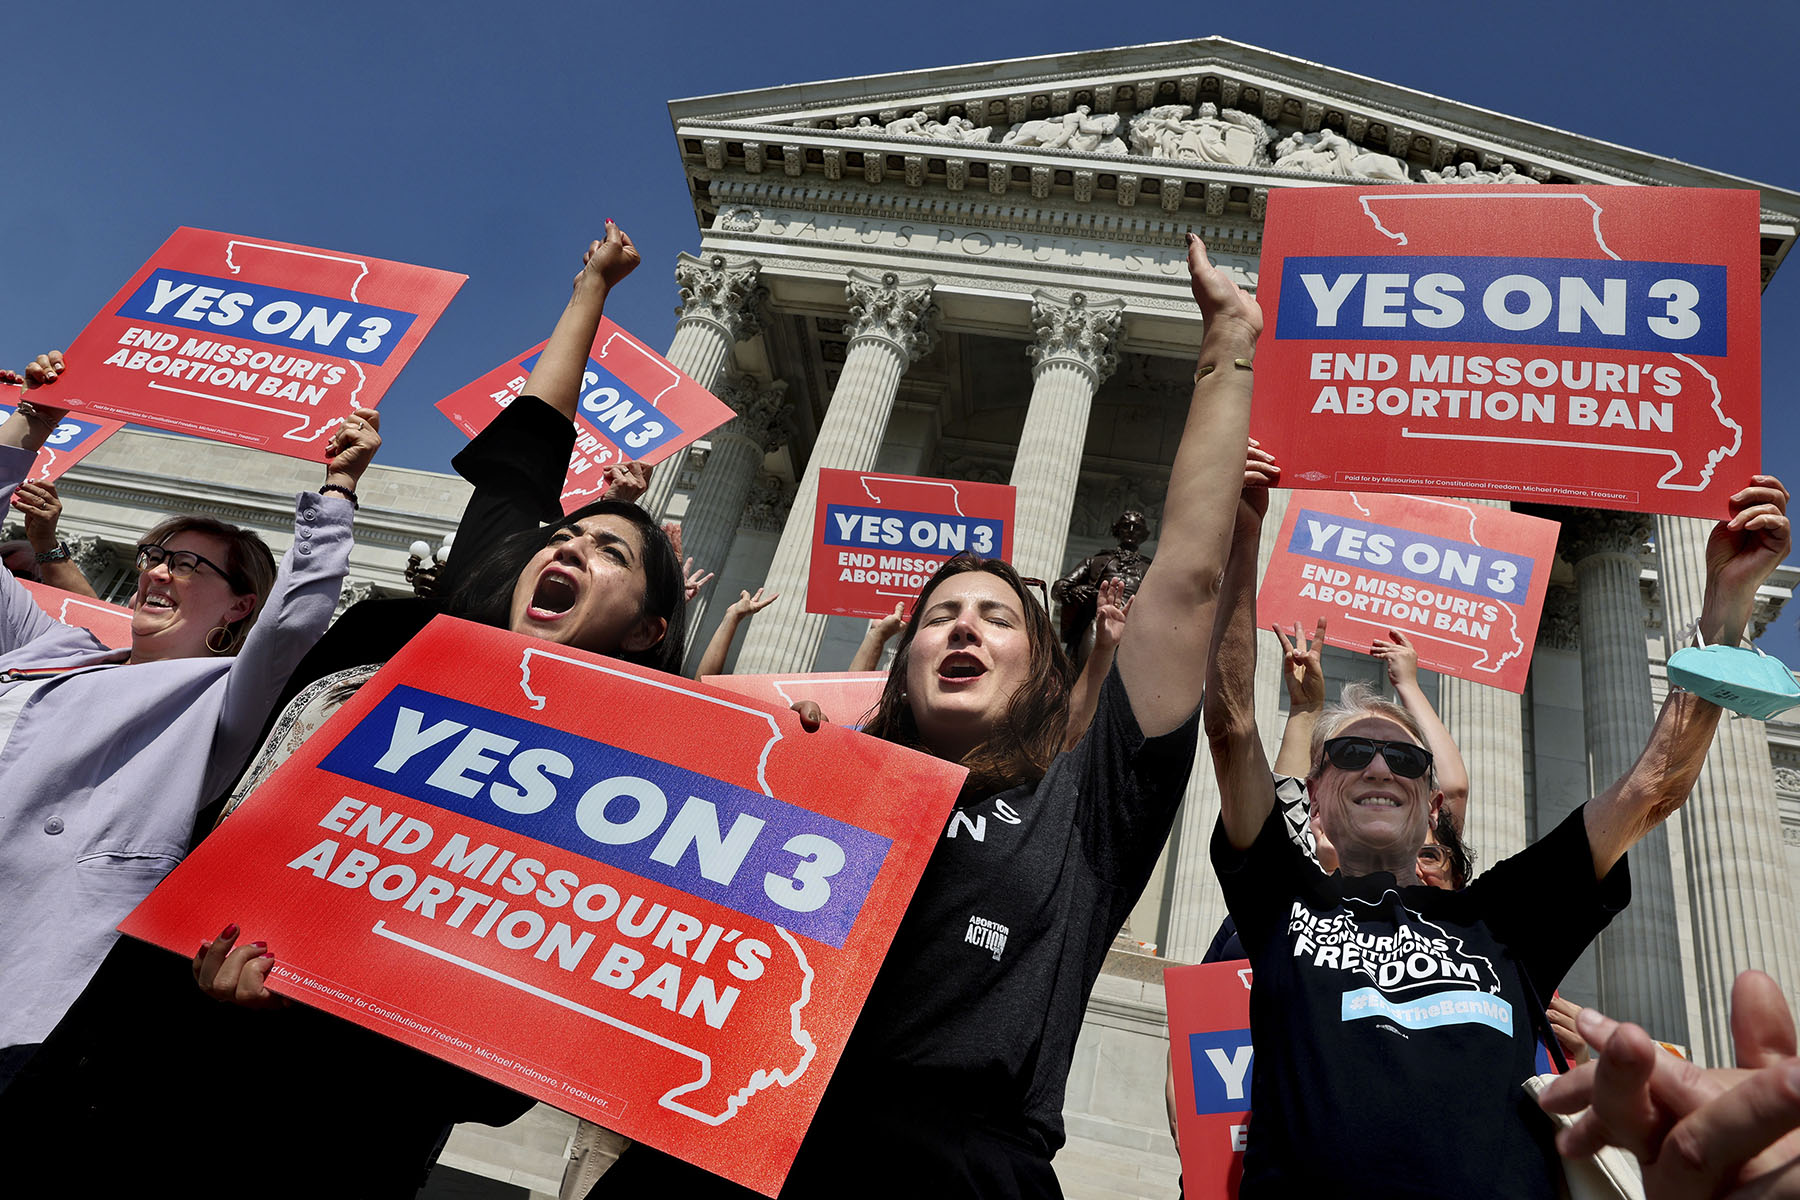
(212, 635)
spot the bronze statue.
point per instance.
(1079, 591)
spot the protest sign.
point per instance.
(845, 697)
(634, 405)
(877, 538)
(1209, 1049)
(636, 898)
(71, 441)
(108, 622)
(253, 342)
(1464, 582)
(1594, 346)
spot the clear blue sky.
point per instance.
(494, 139)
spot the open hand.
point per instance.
(1110, 610)
(1400, 656)
(746, 604)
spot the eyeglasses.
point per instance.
(1354, 753)
(181, 563)
(1043, 590)
(1435, 856)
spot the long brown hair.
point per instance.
(1031, 731)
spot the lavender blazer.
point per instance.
(106, 768)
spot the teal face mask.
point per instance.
(1743, 680)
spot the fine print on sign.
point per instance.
(251, 341)
(108, 622)
(1210, 1051)
(668, 933)
(1597, 346)
(71, 441)
(1464, 582)
(634, 405)
(844, 697)
(878, 538)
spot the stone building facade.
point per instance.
(977, 273)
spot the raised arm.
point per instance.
(32, 422)
(1246, 789)
(557, 377)
(713, 661)
(1740, 554)
(1109, 627)
(1402, 660)
(1303, 670)
(42, 508)
(1162, 659)
(875, 639)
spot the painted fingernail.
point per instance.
(263, 944)
(267, 954)
(230, 931)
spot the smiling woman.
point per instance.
(110, 754)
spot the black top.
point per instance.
(970, 1027)
(1392, 1029)
(146, 1070)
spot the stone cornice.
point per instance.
(1184, 71)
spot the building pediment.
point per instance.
(1196, 129)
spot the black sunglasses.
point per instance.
(182, 563)
(1354, 753)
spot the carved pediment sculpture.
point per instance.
(1229, 137)
(1330, 153)
(1081, 129)
(1466, 172)
(956, 129)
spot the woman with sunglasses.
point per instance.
(952, 1083)
(1370, 984)
(108, 755)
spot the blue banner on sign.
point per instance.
(232, 308)
(610, 405)
(1455, 1007)
(1221, 1062)
(69, 433)
(1439, 562)
(1592, 302)
(751, 853)
(942, 534)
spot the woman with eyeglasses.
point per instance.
(1371, 985)
(604, 578)
(107, 755)
(951, 1084)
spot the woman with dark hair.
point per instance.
(952, 1083)
(123, 1070)
(106, 755)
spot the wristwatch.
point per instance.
(57, 553)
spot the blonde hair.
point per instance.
(1357, 701)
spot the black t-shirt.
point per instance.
(1392, 1029)
(961, 1054)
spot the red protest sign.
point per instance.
(499, 853)
(108, 622)
(1209, 1049)
(634, 405)
(70, 442)
(251, 341)
(1464, 582)
(1595, 346)
(877, 538)
(845, 697)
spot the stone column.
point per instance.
(1071, 358)
(1744, 907)
(1487, 725)
(719, 302)
(1196, 905)
(1639, 954)
(890, 328)
(718, 503)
